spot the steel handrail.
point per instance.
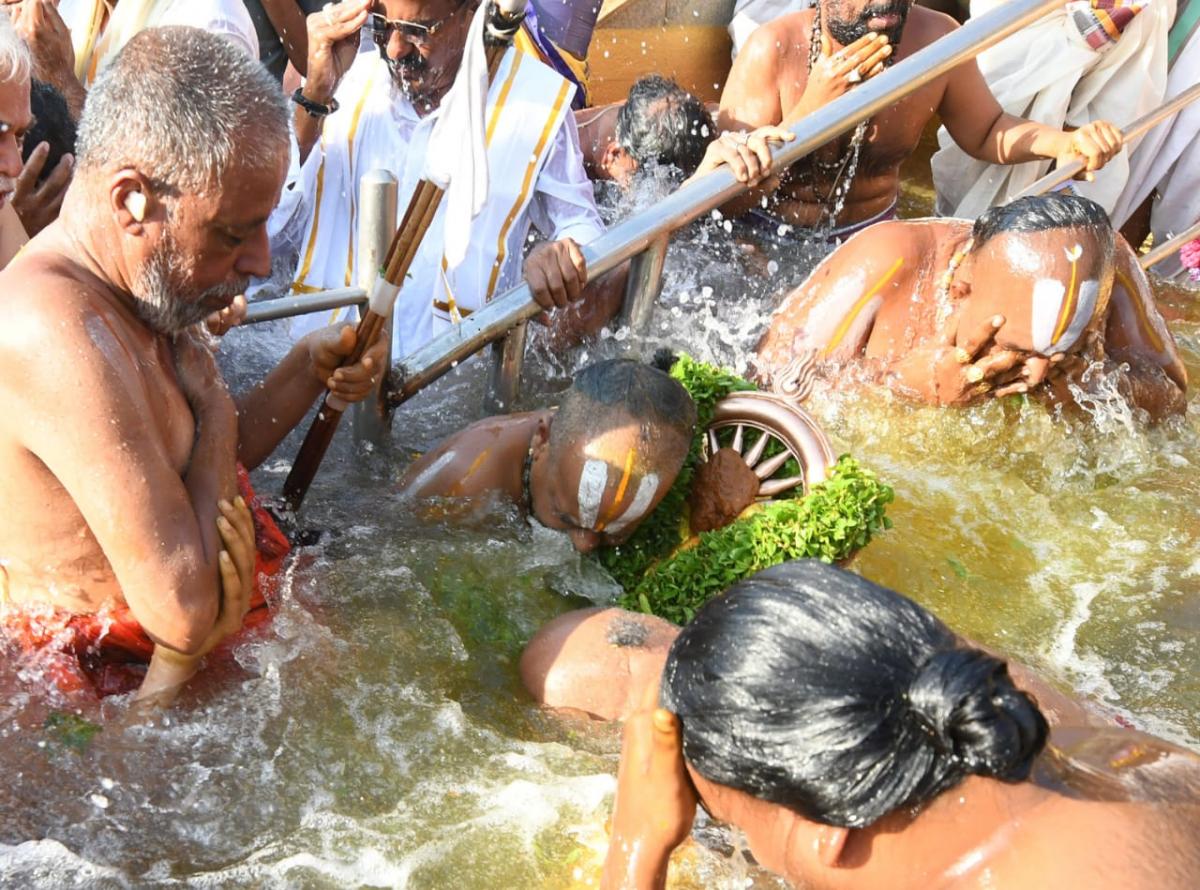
(1170, 246)
(302, 304)
(1139, 127)
(639, 232)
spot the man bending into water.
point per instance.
(119, 442)
(859, 744)
(1034, 297)
(801, 61)
(594, 467)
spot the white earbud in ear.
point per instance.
(135, 203)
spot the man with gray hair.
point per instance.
(15, 118)
(123, 537)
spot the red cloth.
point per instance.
(108, 651)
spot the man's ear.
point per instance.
(831, 841)
(132, 201)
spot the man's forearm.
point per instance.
(288, 22)
(630, 865)
(269, 412)
(211, 477)
(1014, 140)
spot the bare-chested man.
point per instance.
(594, 467)
(119, 442)
(1028, 299)
(793, 705)
(782, 74)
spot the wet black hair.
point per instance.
(813, 688)
(1039, 213)
(52, 124)
(663, 123)
(607, 394)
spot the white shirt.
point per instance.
(391, 135)
(228, 18)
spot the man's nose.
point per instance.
(585, 540)
(255, 257)
(398, 48)
(10, 157)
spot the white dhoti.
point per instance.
(1168, 159)
(1048, 72)
(98, 35)
(750, 15)
(536, 178)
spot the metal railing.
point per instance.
(1135, 130)
(644, 237)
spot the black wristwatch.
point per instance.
(314, 109)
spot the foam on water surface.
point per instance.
(376, 733)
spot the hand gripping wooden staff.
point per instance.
(504, 17)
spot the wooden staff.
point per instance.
(502, 26)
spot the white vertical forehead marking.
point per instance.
(592, 482)
(427, 474)
(1073, 253)
(1048, 295)
(647, 488)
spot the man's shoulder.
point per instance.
(928, 24)
(49, 308)
(779, 38)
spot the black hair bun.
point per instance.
(966, 703)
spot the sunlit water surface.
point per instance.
(376, 733)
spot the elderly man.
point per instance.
(658, 122)
(377, 110)
(119, 442)
(1036, 296)
(72, 40)
(15, 120)
(802, 61)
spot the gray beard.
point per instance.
(164, 306)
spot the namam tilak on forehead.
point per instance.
(629, 502)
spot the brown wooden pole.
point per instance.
(418, 216)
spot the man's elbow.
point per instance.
(184, 625)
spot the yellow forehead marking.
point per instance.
(621, 489)
(1067, 311)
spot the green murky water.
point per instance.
(376, 733)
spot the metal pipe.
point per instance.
(302, 304)
(504, 382)
(1164, 250)
(372, 418)
(1138, 128)
(644, 284)
(640, 231)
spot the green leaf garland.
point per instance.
(830, 523)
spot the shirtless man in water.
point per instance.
(859, 744)
(119, 441)
(594, 467)
(781, 75)
(1036, 296)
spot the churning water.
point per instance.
(376, 733)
